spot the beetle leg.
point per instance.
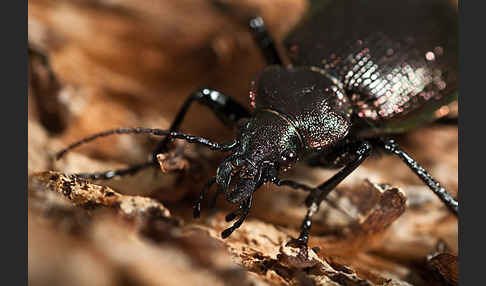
(264, 41)
(392, 147)
(224, 107)
(360, 151)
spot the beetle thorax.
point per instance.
(269, 136)
(268, 143)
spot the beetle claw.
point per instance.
(297, 243)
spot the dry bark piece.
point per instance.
(123, 246)
(367, 233)
(320, 272)
(81, 192)
(417, 232)
(390, 205)
(297, 257)
(170, 162)
(177, 159)
(260, 248)
(446, 266)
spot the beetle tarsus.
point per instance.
(301, 242)
(303, 239)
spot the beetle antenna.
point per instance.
(157, 132)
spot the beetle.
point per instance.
(359, 71)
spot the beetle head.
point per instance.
(267, 145)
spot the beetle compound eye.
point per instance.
(289, 156)
(287, 159)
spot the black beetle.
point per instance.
(360, 70)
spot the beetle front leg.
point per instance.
(223, 106)
(358, 152)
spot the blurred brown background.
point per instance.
(96, 65)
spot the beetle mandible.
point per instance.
(359, 70)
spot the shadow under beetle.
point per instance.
(360, 70)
